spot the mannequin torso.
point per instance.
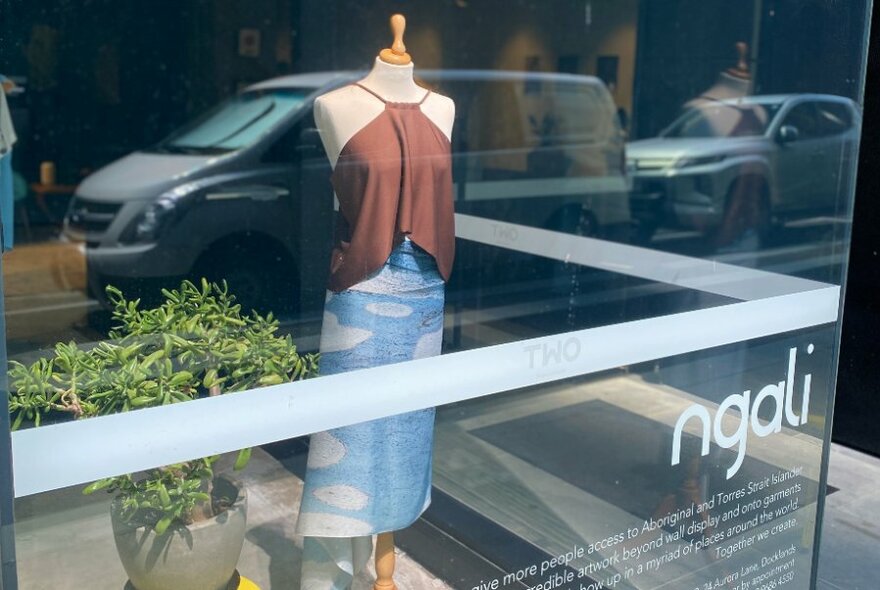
(340, 114)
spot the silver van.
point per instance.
(242, 193)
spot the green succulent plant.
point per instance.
(195, 343)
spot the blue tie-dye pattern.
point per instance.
(386, 464)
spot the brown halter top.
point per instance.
(393, 179)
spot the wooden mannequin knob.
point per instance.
(742, 65)
(396, 54)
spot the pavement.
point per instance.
(849, 554)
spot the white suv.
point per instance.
(790, 153)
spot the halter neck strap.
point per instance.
(424, 98)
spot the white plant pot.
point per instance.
(201, 556)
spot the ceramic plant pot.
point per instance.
(201, 556)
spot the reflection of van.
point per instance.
(242, 192)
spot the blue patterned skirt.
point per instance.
(376, 476)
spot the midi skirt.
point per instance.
(375, 476)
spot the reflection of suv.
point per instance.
(792, 152)
(242, 193)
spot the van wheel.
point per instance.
(260, 274)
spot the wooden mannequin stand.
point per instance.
(385, 562)
(396, 55)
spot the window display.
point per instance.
(624, 224)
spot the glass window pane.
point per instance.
(555, 296)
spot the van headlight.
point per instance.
(159, 215)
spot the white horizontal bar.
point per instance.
(610, 188)
(711, 276)
(73, 453)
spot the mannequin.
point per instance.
(734, 82)
(395, 242)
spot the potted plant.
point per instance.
(177, 526)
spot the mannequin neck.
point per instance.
(393, 83)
